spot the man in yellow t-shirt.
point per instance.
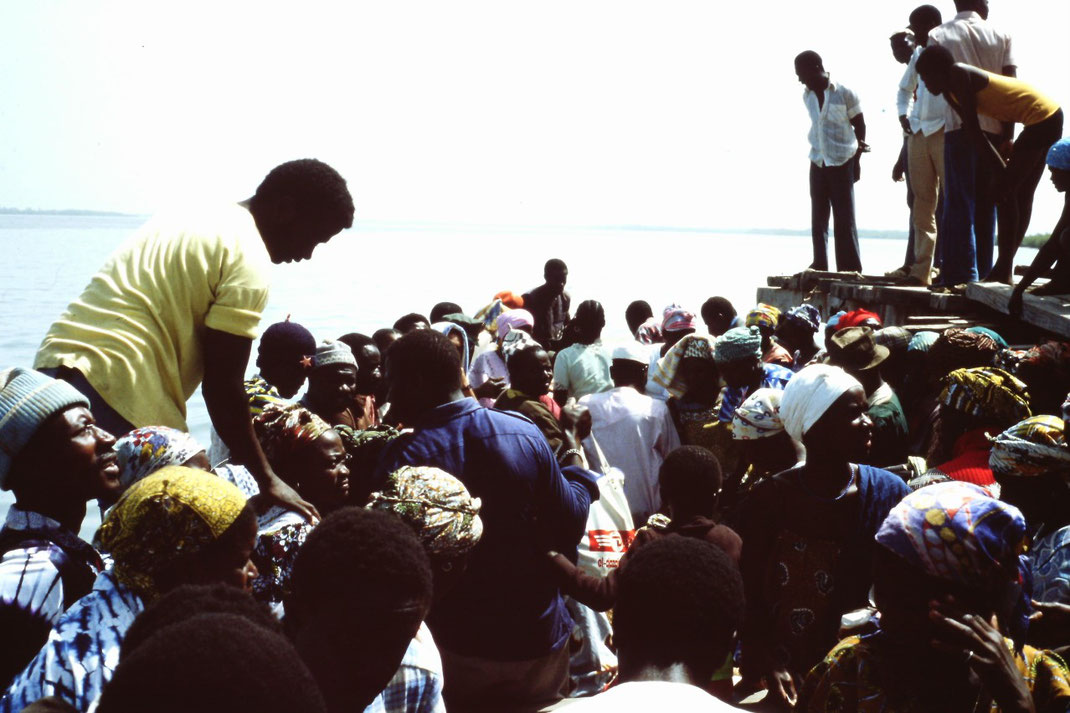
(178, 306)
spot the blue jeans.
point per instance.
(832, 189)
(968, 232)
(957, 237)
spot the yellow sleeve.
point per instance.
(239, 297)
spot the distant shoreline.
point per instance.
(66, 211)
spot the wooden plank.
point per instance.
(1050, 313)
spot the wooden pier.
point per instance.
(917, 308)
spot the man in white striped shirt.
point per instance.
(837, 141)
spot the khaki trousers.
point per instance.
(925, 158)
(477, 684)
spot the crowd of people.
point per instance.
(493, 509)
(968, 177)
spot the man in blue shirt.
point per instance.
(503, 629)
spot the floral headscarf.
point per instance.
(956, 532)
(173, 513)
(436, 505)
(283, 430)
(145, 450)
(758, 416)
(1030, 448)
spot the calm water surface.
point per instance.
(370, 275)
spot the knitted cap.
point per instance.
(737, 344)
(333, 352)
(27, 399)
(286, 343)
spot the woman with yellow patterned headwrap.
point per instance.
(176, 526)
(1031, 462)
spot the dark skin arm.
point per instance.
(859, 125)
(900, 167)
(1046, 257)
(225, 359)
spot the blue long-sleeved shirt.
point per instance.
(506, 606)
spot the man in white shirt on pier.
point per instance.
(837, 142)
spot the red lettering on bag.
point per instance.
(610, 540)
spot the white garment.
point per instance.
(832, 138)
(929, 111)
(643, 696)
(971, 40)
(635, 432)
(582, 369)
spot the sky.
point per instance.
(495, 112)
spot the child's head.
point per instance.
(690, 481)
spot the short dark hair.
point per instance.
(190, 600)
(680, 599)
(590, 315)
(357, 341)
(429, 354)
(717, 307)
(553, 264)
(439, 311)
(319, 192)
(902, 36)
(637, 312)
(405, 323)
(809, 58)
(926, 16)
(383, 338)
(691, 474)
(522, 355)
(212, 663)
(935, 58)
(366, 558)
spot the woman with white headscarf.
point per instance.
(808, 531)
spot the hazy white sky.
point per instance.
(563, 112)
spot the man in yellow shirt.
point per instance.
(178, 306)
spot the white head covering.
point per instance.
(632, 351)
(809, 394)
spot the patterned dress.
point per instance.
(855, 678)
(82, 651)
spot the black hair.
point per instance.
(552, 265)
(319, 193)
(525, 353)
(427, 354)
(902, 35)
(638, 312)
(680, 600)
(212, 663)
(383, 338)
(590, 315)
(717, 308)
(691, 475)
(364, 559)
(357, 341)
(926, 16)
(406, 323)
(190, 600)
(439, 311)
(936, 59)
(809, 58)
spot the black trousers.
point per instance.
(832, 190)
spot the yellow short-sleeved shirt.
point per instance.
(137, 330)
